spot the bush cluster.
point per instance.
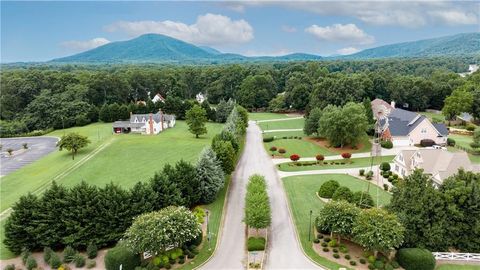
(257, 204)
(386, 144)
(255, 243)
(121, 255)
(415, 259)
(328, 188)
(268, 139)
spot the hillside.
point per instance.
(460, 44)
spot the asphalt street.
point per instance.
(37, 148)
(284, 251)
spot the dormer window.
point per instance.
(424, 130)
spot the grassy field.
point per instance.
(355, 163)
(301, 193)
(464, 141)
(266, 116)
(287, 124)
(458, 267)
(306, 148)
(125, 159)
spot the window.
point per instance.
(424, 130)
(396, 168)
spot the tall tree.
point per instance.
(73, 142)
(167, 192)
(458, 102)
(196, 118)
(210, 175)
(311, 123)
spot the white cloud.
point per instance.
(279, 52)
(288, 29)
(82, 45)
(343, 33)
(209, 29)
(348, 50)
(453, 17)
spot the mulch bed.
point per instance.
(322, 142)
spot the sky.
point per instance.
(44, 30)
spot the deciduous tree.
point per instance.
(196, 118)
(73, 142)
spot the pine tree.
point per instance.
(142, 199)
(184, 176)
(167, 193)
(210, 176)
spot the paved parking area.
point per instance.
(37, 148)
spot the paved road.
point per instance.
(37, 148)
(284, 250)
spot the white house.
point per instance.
(145, 123)
(439, 163)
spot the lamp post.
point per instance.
(310, 227)
(208, 231)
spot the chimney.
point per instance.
(392, 103)
(151, 123)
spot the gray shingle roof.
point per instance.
(157, 117)
(402, 122)
(441, 128)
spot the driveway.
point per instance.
(37, 148)
(284, 250)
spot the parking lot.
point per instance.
(37, 148)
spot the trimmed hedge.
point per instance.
(328, 188)
(386, 144)
(451, 142)
(343, 193)
(254, 243)
(415, 259)
(268, 139)
(121, 255)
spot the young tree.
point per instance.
(459, 101)
(377, 230)
(226, 154)
(210, 175)
(311, 123)
(337, 217)
(257, 204)
(73, 142)
(196, 118)
(158, 231)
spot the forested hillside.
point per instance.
(62, 96)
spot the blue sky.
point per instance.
(40, 31)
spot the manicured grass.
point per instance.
(286, 124)
(281, 134)
(266, 116)
(301, 193)
(306, 148)
(354, 163)
(464, 141)
(458, 267)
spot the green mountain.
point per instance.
(460, 44)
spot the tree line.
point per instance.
(51, 97)
(86, 214)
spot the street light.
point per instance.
(310, 226)
(208, 231)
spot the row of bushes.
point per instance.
(272, 138)
(84, 214)
(331, 189)
(257, 203)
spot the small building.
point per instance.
(158, 98)
(200, 98)
(439, 163)
(145, 123)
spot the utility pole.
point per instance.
(310, 227)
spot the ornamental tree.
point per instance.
(378, 230)
(319, 158)
(273, 149)
(294, 157)
(161, 230)
(73, 142)
(346, 155)
(337, 217)
(257, 204)
(196, 118)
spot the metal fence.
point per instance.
(450, 256)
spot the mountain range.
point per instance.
(154, 48)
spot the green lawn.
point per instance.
(301, 193)
(464, 141)
(306, 148)
(127, 158)
(458, 267)
(355, 163)
(286, 124)
(266, 116)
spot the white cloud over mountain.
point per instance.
(82, 45)
(209, 29)
(348, 50)
(342, 33)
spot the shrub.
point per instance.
(343, 193)
(316, 241)
(369, 175)
(395, 264)
(332, 243)
(24, 255)
(68, 254)
(10, 151)
(390, 178)
(353, 263)
(451, 142)
(336, 256)
(415, 259)
(335, 250)
(470, 127)
(268, 139)
(346, 155)
(181, 261)
(294, 157)
(378, 264)
(25, 145)
(79, 260)
(168, 266)
(362, 261)
(386, 144)
(319, 157)
(91, 264)
(92, 251)
(371, 267)
(343, 249)
(54, 261)
(427, 142)
(324, 244)
(362, 199)
(371, 259)
(31, 263)
(255, 243)
(385, 187)
(327, 239)
(347, 257)
(361, 172)
(475, 145)
(385, 167)
(47, 253)
(273, 148)
(282, 151)
(328, 188)
(388, 267)
(121, 255)
(319, 236)
(326, 249)
(9, 267)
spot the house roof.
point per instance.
(157, 117)
(465, 117)
(377, 102)
(402, 122)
